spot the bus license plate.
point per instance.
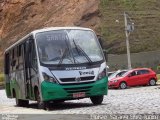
(78, 95)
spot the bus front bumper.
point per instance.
(52, 91)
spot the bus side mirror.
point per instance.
(104, 51)
(100, 41)
(105, 55)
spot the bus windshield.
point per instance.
(68, 47)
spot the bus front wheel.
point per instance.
(97, 100)
(41, 104)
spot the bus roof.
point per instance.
(44, 30)
(58, 28)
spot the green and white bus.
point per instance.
(54, 65)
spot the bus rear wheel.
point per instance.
(97, 100)
(21, 103)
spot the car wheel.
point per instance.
(97, 100)
(152, 82)
(123, 85)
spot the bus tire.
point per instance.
(22, 103)
(19, 102)
(41, 104)
(44, 105)
(25, 103)
(58, 101)
(47, 106)
(97, 100)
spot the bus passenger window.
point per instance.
(34, 58)
(13, 54)
(7, 64)
(19, 50)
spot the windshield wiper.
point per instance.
(83, 52)
(63, 56)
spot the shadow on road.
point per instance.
(63, 106)
(69, 105)
(135, 87)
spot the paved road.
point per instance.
(139, 100)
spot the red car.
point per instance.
(134, 77)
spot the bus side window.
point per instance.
(7, 64)
(14, 59)
(34, 56)
(10, 58)
(20, 56)
(19, 50)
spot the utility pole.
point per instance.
(129, 27)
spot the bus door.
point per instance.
(7, 72)
(16, 72)
(34, 79)
(27, 69)
(20, 71)
(30, 67)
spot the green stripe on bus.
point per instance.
(52, 91)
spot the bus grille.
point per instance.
(89, 78)
(81, 83)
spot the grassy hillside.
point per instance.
(1, 79)
(146, 16)
(20, 17)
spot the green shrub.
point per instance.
(1, 77)
(158, 76)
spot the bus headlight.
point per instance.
(49, 78)
(102, 74)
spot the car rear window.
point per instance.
(144, 71)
